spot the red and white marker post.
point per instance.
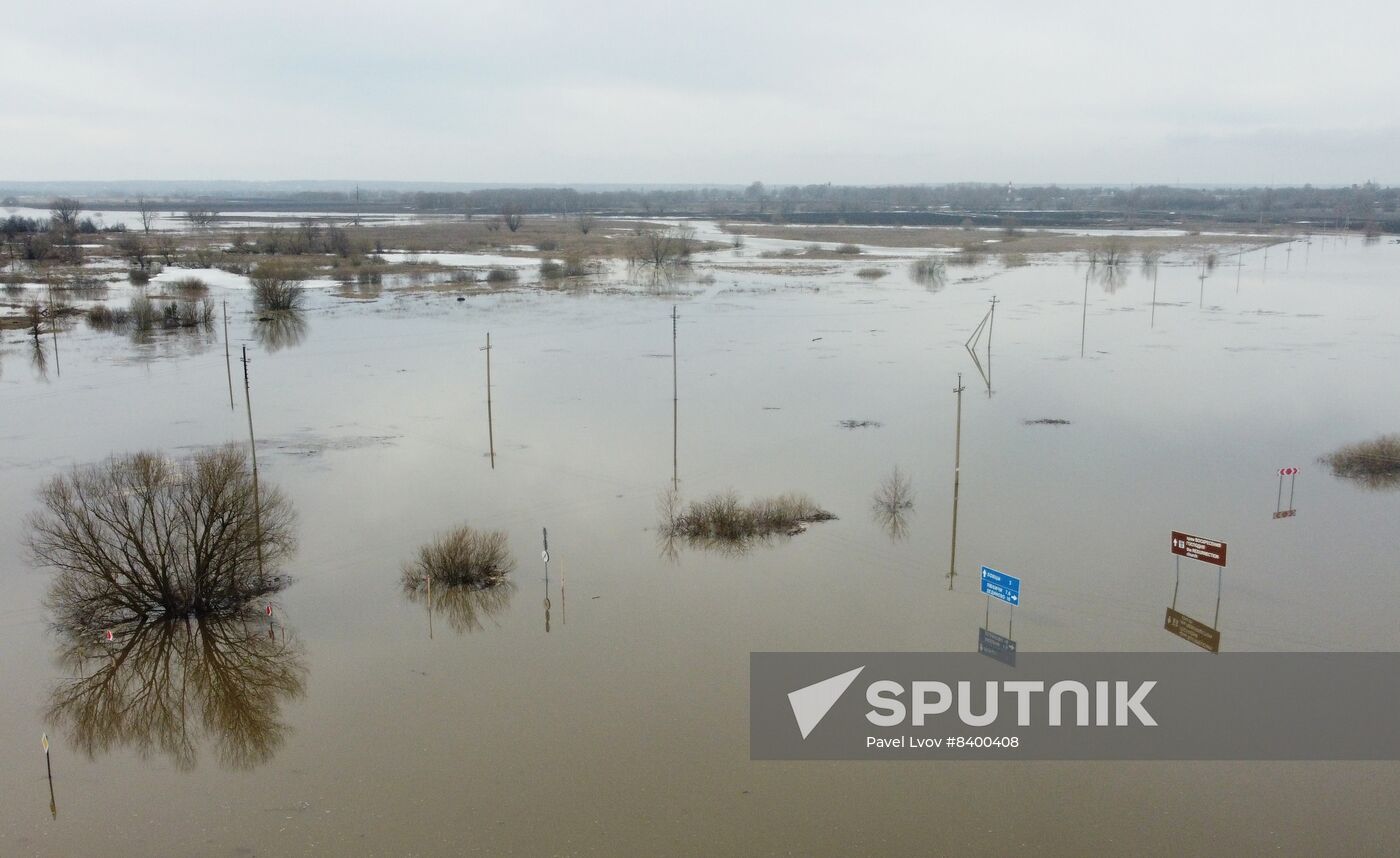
(1279, 511)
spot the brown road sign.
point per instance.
(1198, 548)
(1193, 631)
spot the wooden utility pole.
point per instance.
(253, 448)
(48, 765)
(675, 410)
(991, 323)
(1084, 322)
(1155, 268)
(228, 363)
(490, 419)
(53, 329)
(957, 481)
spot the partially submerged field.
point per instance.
(1012, 240)
(1099, 412)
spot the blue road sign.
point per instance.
(1004, 587)
(993, 645)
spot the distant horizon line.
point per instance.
(444, 184)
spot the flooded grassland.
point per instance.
(492, 630)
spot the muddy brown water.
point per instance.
(603, 709)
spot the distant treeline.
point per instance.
(1356, 205)
(1359, 203)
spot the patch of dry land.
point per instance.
(1024, 241)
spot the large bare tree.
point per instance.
(148, 214)
(512, 214)
(141, 536)
(65, 211)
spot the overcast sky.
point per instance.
(852, 92)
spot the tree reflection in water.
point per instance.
(163, 687)
(280, 329)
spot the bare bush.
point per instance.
(461, 557)
(930, 272)
(576, 264)
(722, 518)
(892, 502)
(1113, 253)
(1374, 464)
(848, 249)
(142, 536)
(663, 248)
(871, 273)
(100, 317)
(277, 286)
(135, 249)
(512, 215)
(34, 316)
(201, 217)
(143, 313)
(190, 286)
(585, 223)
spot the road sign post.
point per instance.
(1198, 548)
(997, 647)
(1279, 510)
(1002, 586)
(1215, 553)
(1192, 631)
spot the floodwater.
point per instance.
(600, 706)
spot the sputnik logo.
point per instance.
(810, 704)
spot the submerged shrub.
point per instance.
(191, 314)
(892, 503)
(551, 270)
(501, 275)
(142, 536)
(100, 316)
(871, 273)
(848, 249)
(723, 519)
(577, 264)
(277, 286)
(138, 276)
(190, 286)
(143, 313)
(930, 272)
(461, 557)
(1375, 464)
